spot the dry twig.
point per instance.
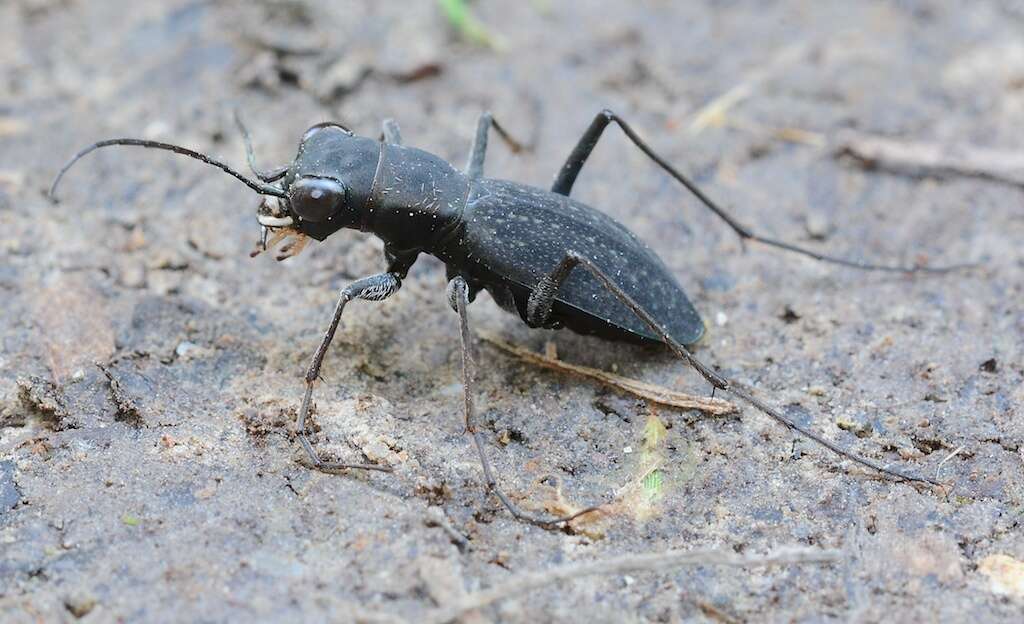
(946, 459)
(650, 392)
(623, 564)
(926, 158)
(916, 158)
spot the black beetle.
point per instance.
(518, 242)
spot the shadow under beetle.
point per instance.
(552, 260)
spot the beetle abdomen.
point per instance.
(517, 234)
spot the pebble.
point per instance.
(185, 349)
(80, 603)
(818, 226)
(133, 275)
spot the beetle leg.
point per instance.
(373, 288)
(458, 297)
(475, 164)
(567, 177)
(571, 169)
(390, 133)
(540, 304)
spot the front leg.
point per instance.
(373, 288)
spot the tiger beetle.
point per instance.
(552, 260)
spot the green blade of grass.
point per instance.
(458, 15)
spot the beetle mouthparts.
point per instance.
(270, 238)
(271, 214)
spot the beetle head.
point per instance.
(326, 187)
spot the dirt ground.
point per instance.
(150, 371)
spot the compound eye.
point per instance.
(316, 199)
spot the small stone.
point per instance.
(80, 603)
(165, 283)
(721, 319)
(908, 454)
(133, 275)
(860, 429)
(186, 349)
(818, 226)
(1005, 575)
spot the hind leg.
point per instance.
(475, 163)
(543, 296)
(458, 297)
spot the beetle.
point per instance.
(552, 260)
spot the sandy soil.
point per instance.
(150, 370)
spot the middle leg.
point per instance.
(475, 164)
